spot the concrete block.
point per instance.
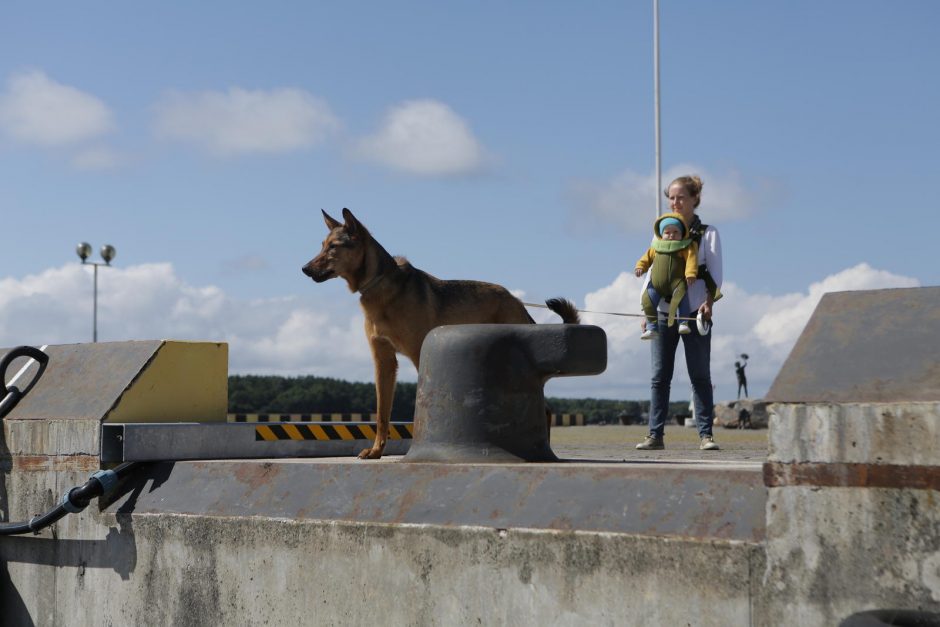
(834, 552)
(874, 346)
(140, 381)
(882, 433)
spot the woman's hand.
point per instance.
(706, 309)
(637, 272)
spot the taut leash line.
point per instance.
(606, 313)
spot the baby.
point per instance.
(673, 265)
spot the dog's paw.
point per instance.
(370, 453)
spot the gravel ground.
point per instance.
(617, 443)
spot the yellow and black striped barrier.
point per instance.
(273, 432)
(361, 417)
(558, 420)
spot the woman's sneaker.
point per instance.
(684, 328)
(651, 443)
(708, 444)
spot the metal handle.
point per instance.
(12, 394)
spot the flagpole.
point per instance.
(659, 167)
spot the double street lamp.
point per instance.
(107, 254)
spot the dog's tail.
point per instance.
(564, 308)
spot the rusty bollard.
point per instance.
(480, 389)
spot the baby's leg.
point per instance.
(685, 310)
(650, 302)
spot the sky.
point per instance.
(510, 142)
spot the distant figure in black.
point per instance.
(742, 378)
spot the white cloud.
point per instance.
(319, 336)
(425, 138)
(629, 199)
(35, 109)
(782, 326)
(286, 336)
(764, 326)
(241, 121)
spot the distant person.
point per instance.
(742, 378)
(672, 261)
(685, 195)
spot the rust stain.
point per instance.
(411, 498)
(55, 463)
(256, 475)
(844, 475)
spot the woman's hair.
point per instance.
(692, 184)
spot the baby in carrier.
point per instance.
(673, 264)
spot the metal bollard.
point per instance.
(481, 389)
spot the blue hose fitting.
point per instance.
(107, 478)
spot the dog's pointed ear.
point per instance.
(353, 226)
(330, 222)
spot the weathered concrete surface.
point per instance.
(200, 570)
(853, 508)
(832, 553)
(340, 542)
(870, 346)
(852, 520)
(651, 500)
(885, 433)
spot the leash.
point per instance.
(607, 313)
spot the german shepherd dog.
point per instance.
(402, 304)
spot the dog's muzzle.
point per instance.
(317, 274)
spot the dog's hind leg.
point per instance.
(386, 371)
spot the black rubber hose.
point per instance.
(13, 394)
(74, 501)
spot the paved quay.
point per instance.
(616, 443)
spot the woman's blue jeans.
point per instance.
(698, 350)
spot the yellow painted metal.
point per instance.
(182, 382)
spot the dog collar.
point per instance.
(371, 283)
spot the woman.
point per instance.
(685, 194)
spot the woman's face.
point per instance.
(681, 202)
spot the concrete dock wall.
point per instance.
(853, 510)
(196, 570)
(135, 564)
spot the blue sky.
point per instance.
(504, 141)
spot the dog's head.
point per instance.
(343, 251)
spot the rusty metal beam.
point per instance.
(844, 475)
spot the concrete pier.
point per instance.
(841, 518)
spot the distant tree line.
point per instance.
(256, 394)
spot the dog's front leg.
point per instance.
(386, 371)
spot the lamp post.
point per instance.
(108, 252)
